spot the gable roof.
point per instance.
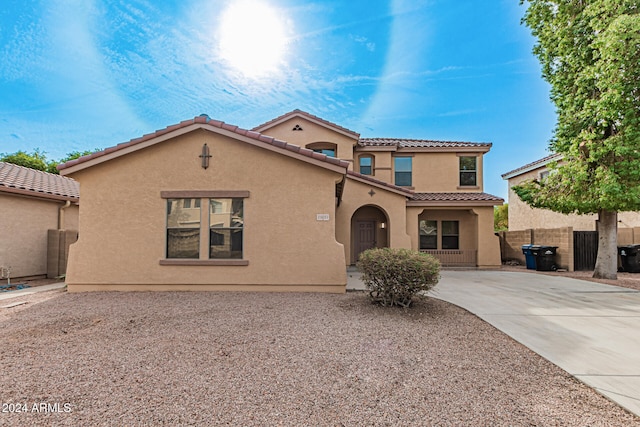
(366, 179)
(532, 166)
(30, 182)
(429, 144)
(215, 126)
(448, 199)
(307, 116)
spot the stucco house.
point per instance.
(204, 205)
(522, 216)
(39, 212)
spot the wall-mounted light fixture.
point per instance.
(205, 156)
(383, 225)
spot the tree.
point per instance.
(590, 54)
(36, 160)
(501, 217)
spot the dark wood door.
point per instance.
(365, 236)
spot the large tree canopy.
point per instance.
(590, 54)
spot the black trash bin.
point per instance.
(529, 258)
(546, 258)
(630, 258)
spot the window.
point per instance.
(468, 172)
(327, 148)
(402, 167)
(544, 175)
(328, 151)
(450, 235)
(428, 234)
(226, 223)
(183, 229)
(201, 219)
(366, 165)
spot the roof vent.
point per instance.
(297, 127)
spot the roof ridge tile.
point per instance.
(205, 120)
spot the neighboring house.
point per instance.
(204, 205)
(523, 217)
(35, 208)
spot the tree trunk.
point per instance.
(607, 260)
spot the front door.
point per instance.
(365, 236)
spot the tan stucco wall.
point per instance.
(122, 219)
(431, 171)
(488, 242)
(382, 164)
(312, 133)
(356, 195)
(440, 172)
(522, 216)
(23, 232)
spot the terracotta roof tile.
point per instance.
(21, 180)
(456, 197)
(310, 116)
(417, 143)
(204, 119)
(379, 183)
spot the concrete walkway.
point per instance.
(590, 330)
(29, 291)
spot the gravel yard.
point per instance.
(171, 358)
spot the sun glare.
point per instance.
(252, 37)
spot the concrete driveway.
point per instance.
(590, 330)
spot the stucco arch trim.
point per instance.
(369, 229)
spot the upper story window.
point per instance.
(544, 175)
(366, 165)
(402, 169)
(324, 147)
(468, 171)
(328, 151)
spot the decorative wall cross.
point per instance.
(371, 193)
(205, 156)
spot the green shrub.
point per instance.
(394, 276)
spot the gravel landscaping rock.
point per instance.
(170, 358)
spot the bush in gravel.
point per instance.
(394, 276)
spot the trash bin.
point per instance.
(530, 259)
(630, 258)
(545, 258)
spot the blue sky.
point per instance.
(86, 74)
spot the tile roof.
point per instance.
(417, 143)
(379, 183)
(31, 182)
(532, 165)
(204, 121)
(298, 112)
(456, 197)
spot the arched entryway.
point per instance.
(369, 229)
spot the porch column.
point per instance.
(488, 242)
